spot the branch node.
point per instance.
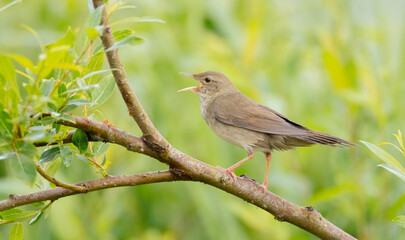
(12, 196)
(310, 208)
(156, 147)
(279, 218)
(180, 173)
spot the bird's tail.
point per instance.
(324, 139)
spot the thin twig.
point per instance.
(59, 183)
(104, 183)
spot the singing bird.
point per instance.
(239, 120)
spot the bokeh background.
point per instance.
(333, 66)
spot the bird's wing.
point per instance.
(245, 113)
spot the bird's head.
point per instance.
(210, 84)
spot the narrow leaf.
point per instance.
(6, 155)
(132, 40)
(79, 102)
(50, 154)
(383, 155)
(23, 167)
(67, 117)
(36, 218)
(66, 155)
(394, 170)
(400, 220)
(46, 86)
(104, 92)
(80, 157)
(16, 232)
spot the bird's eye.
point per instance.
(207, 80)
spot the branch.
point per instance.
(134, 106)
(67, 139)
(59, 183)
(107, 182)
(189, 168)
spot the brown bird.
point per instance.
(239, 120)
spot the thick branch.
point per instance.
(108, 182)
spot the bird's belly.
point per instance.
(244, 138)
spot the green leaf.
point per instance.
(16, 232)
(86, 87)
(72, 104)
(122, 33)
(50, 154)
(9, 5)
(34, 136)
(95, 64)
(94, 73)
(6, 126)
(23, 61)
(385, 156)
(47, 86)
(94, 32)
(80, 140)
(137, 19)
(6, 155)
(17, 214)
(131, 40)
(66, 155)
(68, 118)
(400, 141)
(62, 90)
(99, 148)
(36, 218)
(104, 161)
(82, 158)
(79, 102)
(9, 214)
(94, 19)
(8, 75)
(394, 170)
(39, 128)
(400, 220)
(23, 167)
(90, 6)
(103, 92)
(53, 167)
(29, 150)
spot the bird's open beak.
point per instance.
(193, 89)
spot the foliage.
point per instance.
(391, 164)
(66, 78)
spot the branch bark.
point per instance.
(182, 166)
(107, 182)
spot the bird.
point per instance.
(237, 119)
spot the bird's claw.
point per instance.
(230, 171)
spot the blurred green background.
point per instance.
(333, 66)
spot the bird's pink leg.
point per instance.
(268, 158)
(231, 168)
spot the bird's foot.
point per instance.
(230, 171)
(264, 185)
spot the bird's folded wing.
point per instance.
(245, 113)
